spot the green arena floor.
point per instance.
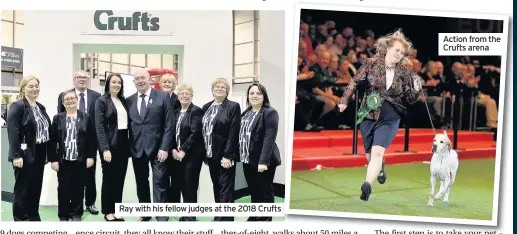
(50, 213)
(405, 192)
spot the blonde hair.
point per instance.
(25, 80)
(174, 79)
(382, 44)
(221, 80)
(187, 87)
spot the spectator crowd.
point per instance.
(329, 57)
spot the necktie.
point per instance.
(142, 106)
(81, 103)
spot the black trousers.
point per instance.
(90, 191)
(184, 178)
(309, 107)
(70, 190)
(27, 187)
(161, 181)
(223, 181)
(114, 173)
(260, 185)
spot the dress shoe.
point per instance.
(109, 220)
(366, 190)
(92, 209)
(76, 219)
(382, 175)
(144, 219)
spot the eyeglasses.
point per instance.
(82, 77)
(139, 78)
(70, 99)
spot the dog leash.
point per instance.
(427, 107)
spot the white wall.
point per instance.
(272, 74)
(206, 36)
(50, 35)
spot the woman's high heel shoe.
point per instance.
(109, 220)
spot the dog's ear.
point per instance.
(448, 145)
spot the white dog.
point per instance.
(444, 166)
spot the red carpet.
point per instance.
(334, 148)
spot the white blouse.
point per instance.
(121, 114)
(389, 78)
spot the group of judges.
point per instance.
(151, 127)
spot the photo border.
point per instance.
(291, 106)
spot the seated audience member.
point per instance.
(302, 51)
(304, 31)
(322, 79)
(485, 100)
(341, 43)
(412, 54)
(434, 89)
(461, 92)
(352, 60)
(308, 109)
(333, 67)
(311, 60)
(346, 119)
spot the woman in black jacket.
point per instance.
(258, 151)
(111, 124)
(73, 135)
(188, 150)
(28, 131)
(221, 122)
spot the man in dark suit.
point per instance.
(150, 114)
(86, 104)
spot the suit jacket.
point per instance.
(154, 131)
(225, 133)
(457, 88)
(21, 128)
(176, 105)
(263, 148)
(106, 122)
(373, 74)
(85, 137)
(191, 136)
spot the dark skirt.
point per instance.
(380, 132)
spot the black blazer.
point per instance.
(21, 128)
(225, 133)
(85, 137)
(154, 131)
(106, 122)
(263, 148)
(176, 105)
(191, 134)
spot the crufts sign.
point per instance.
(106, 20)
